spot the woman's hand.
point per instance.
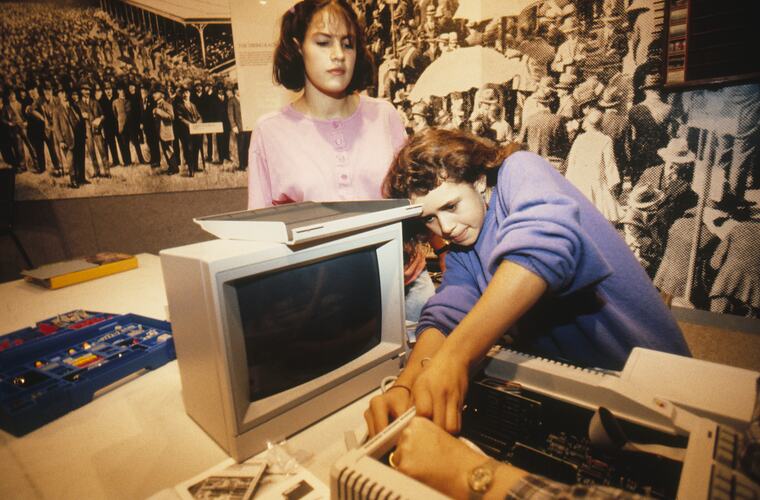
(387, 407)
(434, 457)
(440, 389)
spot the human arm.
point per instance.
(443, 462)
(440, 389)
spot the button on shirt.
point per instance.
(295, 157)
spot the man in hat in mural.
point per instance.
(188, 114)
(544, 132)
(736, 289)
(672, 180)
(80, 139)
(35, 126)
(94, 143)
(163, 113)
(69, 133)
(651, 126)
(615, 124)
(429, 26)
(639, 226)
(673, 177)
(420, 116)
(567, 107)
(641, 19)
(134, 120)
(148, 123)
(572, 52)
(110, 126)
(121, 110)
(219, 108)
(47, 106)
(488, 119)
(543, 96)
(242, 136)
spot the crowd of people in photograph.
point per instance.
(82, 93)
(588, 96)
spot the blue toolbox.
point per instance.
(58, 365)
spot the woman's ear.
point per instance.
(480, 184)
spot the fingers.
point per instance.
(444, 408)
(383, 409)
(453, 417)
(370, 423)
(439, 410)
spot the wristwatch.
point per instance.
(480, 478)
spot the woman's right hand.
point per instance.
(387, 407)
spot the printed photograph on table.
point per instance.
(113, 97)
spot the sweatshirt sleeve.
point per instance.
(540, 226)
(456, 295)
(398, 132)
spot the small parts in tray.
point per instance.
(57, 325)
(53, 375)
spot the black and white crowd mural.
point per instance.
(578, 82)
(102, 97)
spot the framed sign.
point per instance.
(710, 42)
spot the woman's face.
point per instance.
(454, 211)
(329, 54)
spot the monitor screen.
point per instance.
(304, 321)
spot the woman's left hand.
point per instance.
(440, 389)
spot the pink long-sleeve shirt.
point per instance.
(294, 157)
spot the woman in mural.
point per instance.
(534, 258)
(591, 165)
(331, 143)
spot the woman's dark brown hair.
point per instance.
(288, 69)
(434, 155)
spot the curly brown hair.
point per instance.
(288, 69)
(435, 155)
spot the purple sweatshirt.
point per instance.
(600, 303)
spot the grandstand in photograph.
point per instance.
(202, 26)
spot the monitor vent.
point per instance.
(352, 485)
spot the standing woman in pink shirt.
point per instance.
(331, 143)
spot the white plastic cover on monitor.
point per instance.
(297, 223)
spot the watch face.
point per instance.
(480, 478)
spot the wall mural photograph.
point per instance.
(110, 98)
(113, 97)
(579, 82)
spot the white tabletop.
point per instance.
(136, 440)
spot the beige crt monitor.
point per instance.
(271, 338)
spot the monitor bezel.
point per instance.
(386, 242)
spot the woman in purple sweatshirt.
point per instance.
(530, 257)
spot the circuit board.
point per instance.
(549, 437)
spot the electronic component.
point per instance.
(536, 414)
